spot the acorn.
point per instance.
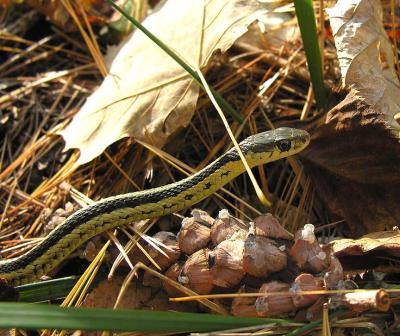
(226, 263)
(306, 251)
(274, 304)
(334, 274)
(313, 312)
(169, 247)
(196, 273)
(173, 273)
(244, 306)
(269, 226)
(225, 226)
(149, 280)
(202, 217)
(306, 282)
(193, 235)
(135, 255)
(262, 257)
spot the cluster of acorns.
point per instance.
(227, 254)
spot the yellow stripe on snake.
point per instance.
(124, 209)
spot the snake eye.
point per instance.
(284, 145)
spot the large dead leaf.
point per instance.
(366, 55)
(386, 241)
(354, 153)
(147, 95)
(377, 251)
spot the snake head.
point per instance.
(281, 142)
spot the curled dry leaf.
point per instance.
(274, 304)
(369, 252)
(147, 95)
(366, 55)
(385, 241)
(354, 151)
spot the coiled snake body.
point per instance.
(127, 208)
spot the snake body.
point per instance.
(124, 209)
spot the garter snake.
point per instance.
(124, 209)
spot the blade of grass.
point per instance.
(306, 18)
(46, 290)
(28, 316)
(221, 101)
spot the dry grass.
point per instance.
(47, 75)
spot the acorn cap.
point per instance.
(150, 280)
(226, 263)
(193, 235)
(173, 273)
(313, 312)
(225, 227)
(202, 217)
(334, 274)
(244, 306)
(196, 273)
(306, 282)
(306, 251)
(269, 226)
(169, 247)
(274, 305)
(262, 257)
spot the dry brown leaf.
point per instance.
(276, 25)
(354, 154)
(136, 296)
(106, 293)
(366, 55)
(378, 251)
(353, 161)
(96, 12)
(386, 241)
(147, 95)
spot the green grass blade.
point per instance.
(221, 101)
(39, 316)
(308, 29)
(46, 290)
